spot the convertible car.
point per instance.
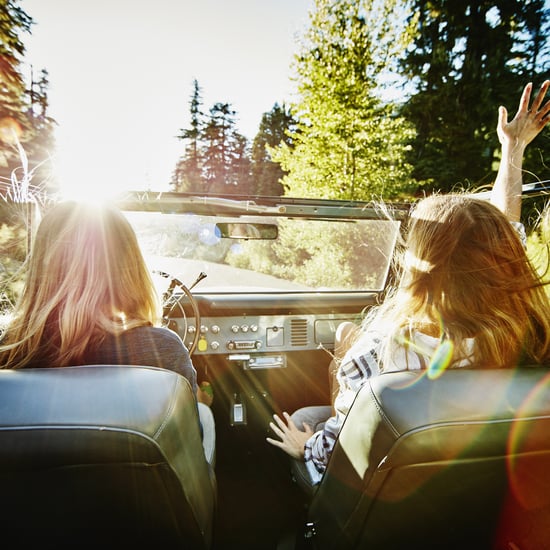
(256, 288)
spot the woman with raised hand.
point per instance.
(467, 296)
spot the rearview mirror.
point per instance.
(238, 230)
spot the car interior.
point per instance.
(111, 456)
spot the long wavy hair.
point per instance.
(465, 275)
(86, 277)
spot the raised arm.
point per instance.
(514, 137)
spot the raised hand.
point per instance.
(528, 122)
(514, 137)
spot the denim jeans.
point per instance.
(315, 417)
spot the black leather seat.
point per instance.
(458, 462)
(102, 456)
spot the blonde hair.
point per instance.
(86, 277)
(465, 274)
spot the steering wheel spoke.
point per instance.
(173, 299)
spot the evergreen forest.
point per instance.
(394, 99)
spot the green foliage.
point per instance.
(347, 136)
(468, 58)
(14, 224)
(13, 21)
(349, 143)
(317, 254)
(23, 112)
(312, 254)
(26, 141)
(538, 248)
(13, 100)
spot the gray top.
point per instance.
(149, 346)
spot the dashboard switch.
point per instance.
(237, 414)
(202, 344)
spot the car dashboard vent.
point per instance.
(298, 332)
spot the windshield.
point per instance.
(275, 254)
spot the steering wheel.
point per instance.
(171, 300)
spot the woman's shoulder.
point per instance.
(159, 335)
(367, 342)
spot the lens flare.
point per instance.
(10, 130)
(528, 477)
(441, 359)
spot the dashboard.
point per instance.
(259, 330)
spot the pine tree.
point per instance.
(24, 119)
(274, 129)
(349, 143)
(188, 174)
(224, 153)
(239, 169)
(42, 144)
(14, 123)
(468, 58)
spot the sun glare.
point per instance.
(92, 175)
(100, 165)
(87, 180)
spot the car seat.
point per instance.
(462, 461)
(100, 457)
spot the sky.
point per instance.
(121, 77)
